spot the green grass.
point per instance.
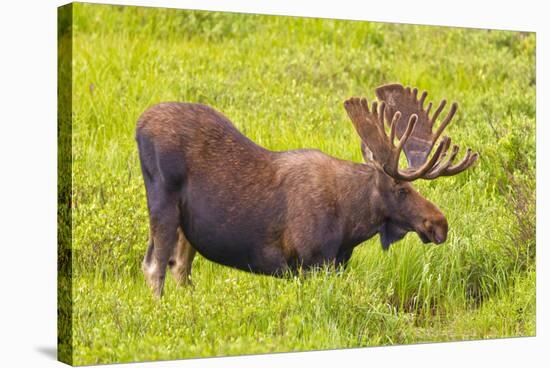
(282, 81)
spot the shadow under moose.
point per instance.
(212, 190)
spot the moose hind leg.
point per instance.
(182, 259)
(148, 261)
(164, 220)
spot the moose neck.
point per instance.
(361, 202)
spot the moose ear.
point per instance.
(390, 233)
(367, 154)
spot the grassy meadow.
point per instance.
(282, 81)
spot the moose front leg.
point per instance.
(182, 259)
(342, 259)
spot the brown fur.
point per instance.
(211, 190)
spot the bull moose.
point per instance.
(212, 190)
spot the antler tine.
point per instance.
(410, 126)
(393, 126)
(442, 165)
(422, 99)
(364, 103)
(428, 108)
(466, 162)
(374, 110)
(447, 170)
(446, 121)
(392, 167)
(381, 114)
(437, 112)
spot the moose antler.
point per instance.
(369, 124)
(405, 101)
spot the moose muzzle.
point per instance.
(434, 230)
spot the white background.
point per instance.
(28, 181)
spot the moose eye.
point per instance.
(402, 192)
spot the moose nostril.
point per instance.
(440, 237)
(442, 230)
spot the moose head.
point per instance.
(408, 121)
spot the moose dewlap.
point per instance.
(212, 190)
